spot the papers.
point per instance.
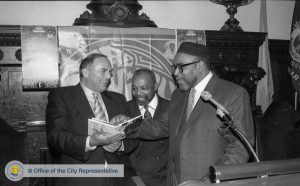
(111, 128)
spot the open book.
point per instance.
(111, 128)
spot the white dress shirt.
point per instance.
(201, 86)
(89, 95)
(151, 106)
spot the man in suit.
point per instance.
(150, 158)
(67, 114)
(197, 136)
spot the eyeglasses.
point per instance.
(180, 66)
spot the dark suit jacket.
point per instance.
(67, 115)
(199, 144)
(150, 158)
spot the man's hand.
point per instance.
(119, 119)
(113, 146)
(101, 138)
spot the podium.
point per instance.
(267, 173)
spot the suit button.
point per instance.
(161, 142)
(157, 158)
(139, 158)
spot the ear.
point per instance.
(85, 72)
(200, 65)
(155, 86)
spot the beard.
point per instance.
(184, 85)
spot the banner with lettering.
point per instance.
(40, 57)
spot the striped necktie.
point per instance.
(147, 114)
(190, 105)
(97, 108)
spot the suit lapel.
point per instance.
(81, 102)
(109, 105)
(158, 108)
(180, 111)
(136, 109)
(200, 105)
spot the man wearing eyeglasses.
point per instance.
(196, 137)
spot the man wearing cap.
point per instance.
(197, 138)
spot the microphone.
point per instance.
(221, 110)
(208, 97)
(224, 114)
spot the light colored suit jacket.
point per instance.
(198, 144)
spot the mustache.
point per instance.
(141, 97)
(145, 97)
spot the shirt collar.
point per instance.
(88, 92)
(202, 84)
(153, 103)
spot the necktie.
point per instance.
(147, 114)
(97, 108)
(190, 105)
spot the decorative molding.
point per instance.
(18, 55)
(10, 35)
(117, 12)
(114, 13)
(1, 55)
(232, 24)
(234, 57)
(234, 39)
(10, 41)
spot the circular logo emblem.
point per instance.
(295, 43)
(118, 11)
(14, 170)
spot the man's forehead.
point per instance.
(143, 75)
(181, 57)
(102, 62)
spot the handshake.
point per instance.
(111, 141)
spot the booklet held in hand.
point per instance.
(111, 128)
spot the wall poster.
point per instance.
(40, 57)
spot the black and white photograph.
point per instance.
(150, 93)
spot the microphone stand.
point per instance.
(229, 122)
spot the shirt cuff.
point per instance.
(87, 145)
(122, 146)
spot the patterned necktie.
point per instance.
(97, 108)
(190, 105)
(147, 114)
